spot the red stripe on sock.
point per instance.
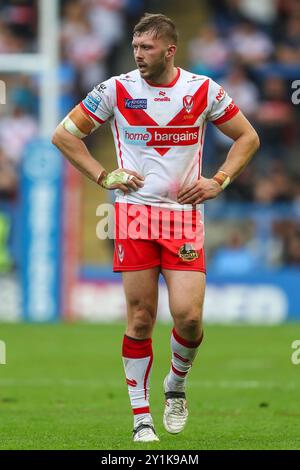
(147, 375)
(183, 359)
(178, 372)
(139, 411)
(184, 342)
(136, 349)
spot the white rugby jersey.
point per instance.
(159, 130)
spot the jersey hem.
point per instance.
(169, 206)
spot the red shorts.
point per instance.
(148, 236)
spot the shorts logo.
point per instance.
(92, 101)
(139, 103)
(121, 252)
(188, 103)
(187, 252)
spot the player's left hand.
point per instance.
(200, 191)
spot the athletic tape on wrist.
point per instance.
(222, 179)
(116, 178)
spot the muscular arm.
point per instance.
(74, 149)
(246, 143)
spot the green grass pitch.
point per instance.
(63, 387)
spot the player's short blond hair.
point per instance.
(159, 24)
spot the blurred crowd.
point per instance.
(92, 33)
(251, 47)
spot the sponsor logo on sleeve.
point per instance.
(92, 101)
(139, 103)
(221, 94)
(101, 88)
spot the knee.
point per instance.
(142, 321)
(190, 322)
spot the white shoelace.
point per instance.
(177, 406)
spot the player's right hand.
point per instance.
(122, 179)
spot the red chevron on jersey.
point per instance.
(134, 117)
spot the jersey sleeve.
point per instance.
(99, 103)
(221, 107)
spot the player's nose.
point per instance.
(138, 54)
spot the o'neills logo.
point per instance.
(162, 97)
(188, 103)
(161, 136)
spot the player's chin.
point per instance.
(144, 72)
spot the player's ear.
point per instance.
(171, 51)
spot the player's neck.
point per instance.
(166, 78)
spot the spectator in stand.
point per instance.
(292, 250)
(276, 119)
(262, 13)
(288, 50)
(236, 257)
(275, 187)
(8, 177)
(245, 92)
(295, 188)
(250, 45)
(21, 18)
(226, 14)
(208, 53)
(82, 47)
(9, 43)
(107, 20)
(15, 131)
